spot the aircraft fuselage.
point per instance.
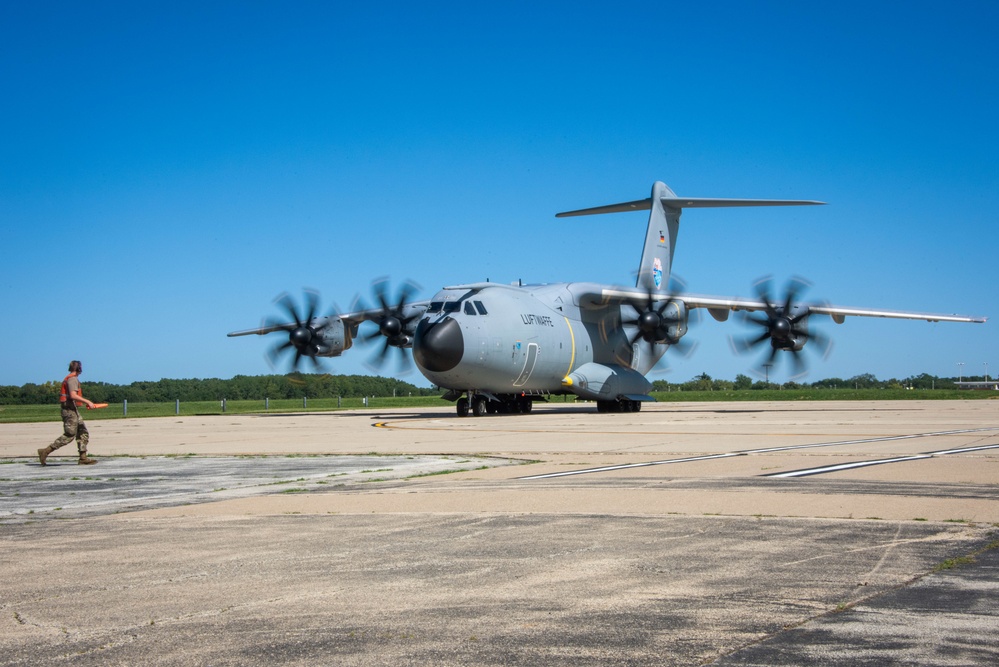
(501, 339)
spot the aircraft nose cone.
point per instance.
(438, 346)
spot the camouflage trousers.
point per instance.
(73, 427)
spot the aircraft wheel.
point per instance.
(479, 406)
(526, 405)
(637, 407)
(491, 407)
(462, 407)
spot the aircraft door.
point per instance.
(532, 359)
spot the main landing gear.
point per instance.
(504, 404)
(623, 405)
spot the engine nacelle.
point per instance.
(677, 313)
(791, 343)
(402, 340)
(333, 336)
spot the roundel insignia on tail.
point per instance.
(657, 272)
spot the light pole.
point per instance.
(960, 369)
(986, 372)
(767, 367)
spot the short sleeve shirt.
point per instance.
(73, 385)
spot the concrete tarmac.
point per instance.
(728, 533)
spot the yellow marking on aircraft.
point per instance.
(572, 338)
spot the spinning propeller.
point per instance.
(304, 336)
(665, 323)
(653, 324)
(393, 321)
(784, 326)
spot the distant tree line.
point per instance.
(299, 385)
(705, 382)
(241, 387)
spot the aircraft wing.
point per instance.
(350, 320)
(721, 307)
(273, 325)
(263, 330)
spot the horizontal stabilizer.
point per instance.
(687, 202)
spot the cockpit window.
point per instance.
(470, 307)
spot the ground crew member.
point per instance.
(71, 398)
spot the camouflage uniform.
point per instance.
(72, 424)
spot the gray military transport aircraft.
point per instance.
(498, 348)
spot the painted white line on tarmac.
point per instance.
(626, 466)
(795, 473)
(887, 438)
(863, 464)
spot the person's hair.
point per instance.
(75, 366)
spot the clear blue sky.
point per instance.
(167, 169)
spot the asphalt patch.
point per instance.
(62, 489)
(949, 617)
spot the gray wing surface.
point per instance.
(351, 320)
(721, 307)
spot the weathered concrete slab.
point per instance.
(670, 544)
(948, 618)
(423, 588)
(63, 489)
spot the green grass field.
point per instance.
(41, 413)
(44, 413)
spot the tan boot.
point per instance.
(86, 460)
(43, 454)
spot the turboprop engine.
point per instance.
(309, 336)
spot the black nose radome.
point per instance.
(438, 346)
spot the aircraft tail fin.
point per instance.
(664, 224)
(660, 240)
